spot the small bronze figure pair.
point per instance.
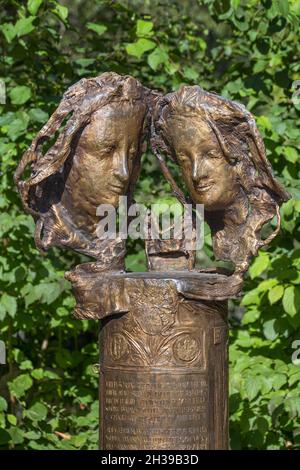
(103, 124)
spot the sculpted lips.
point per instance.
(117, 187)
(205, 186)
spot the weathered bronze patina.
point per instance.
(163, 339)
(163, 357)
(95, 159)
(223, 162)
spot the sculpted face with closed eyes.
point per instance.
(94, 161)
(106, 155)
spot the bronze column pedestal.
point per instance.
(163, 341)
(163, 358)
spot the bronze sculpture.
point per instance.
(223, 162)
(95, 159)
(163, 339)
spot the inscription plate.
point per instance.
(163, 373)
(154, 410)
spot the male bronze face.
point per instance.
(209, 177)
(94, 161)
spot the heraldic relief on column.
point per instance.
(163, 335)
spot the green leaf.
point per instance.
(20, 385)
(278, 380)
(291, 154)
(275, 402)
(24, 26)
(18, 126)
(38, 115)
(97, 28)
(292, 406)
(275, 294)
(251, 316)
(11, 419)
(20, 94)
(264, 122)
(3, 404)
(269, 331)
(79, 440)
(294, 379)
(32, 435)
(291, 300)
(262, 425)
(288, 208)
(4, 437)
(144, 28)
(51, 375)
(266, 285)
(138, 48)
(61, 11)
(266, 381)
(17, 435)
(252, 387)
(251, 298)
(37, 412)
(33, 6)
(38, 374)
(85, 63)
(244, 339)
(9, 303)
(9, 31)
(26, 365)
(172, 67)
(282, 7)
(190, 73)
(259, 265)
(202, 44)
(48, 291)
(157, 57)
(297, 205)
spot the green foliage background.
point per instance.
(246, 50)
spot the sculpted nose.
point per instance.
(199, 170)
(195, 172)
(121, 166)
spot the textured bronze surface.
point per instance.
(94, 160)
(97, 299)
(223, 162)
(163, 371)
(163, 340)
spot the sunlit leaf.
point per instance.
(33, 6)
(20, 94)
(98, 28)
(138, 48)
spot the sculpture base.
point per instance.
(164, 387)
(163, 359)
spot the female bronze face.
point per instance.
(209, 177)
(223, 162)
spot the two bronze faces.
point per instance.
(102, 124)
